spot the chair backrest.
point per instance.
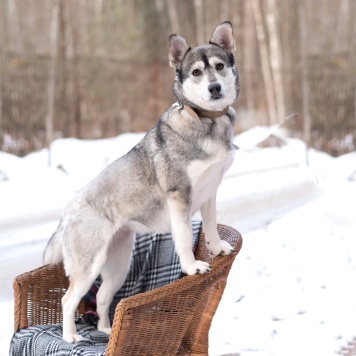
(172, 319)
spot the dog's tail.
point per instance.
(53, 253)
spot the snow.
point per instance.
(291, 289)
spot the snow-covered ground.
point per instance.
(291, 290)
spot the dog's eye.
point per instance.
(219, 66)
(196, 72)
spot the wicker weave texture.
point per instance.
(174, 319)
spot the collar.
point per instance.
(200, 113)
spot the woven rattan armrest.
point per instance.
(162, 321)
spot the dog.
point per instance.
(172, 172)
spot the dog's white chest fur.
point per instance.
(206, 175)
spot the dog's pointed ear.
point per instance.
(178, 47)
(224, 37)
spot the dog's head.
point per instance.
(206, 76)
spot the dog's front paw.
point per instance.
(222, 248)
(71, 338)
(196, 267)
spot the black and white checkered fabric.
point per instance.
(154, 264)
(46, 340)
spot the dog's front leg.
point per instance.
(180, 217)
(212, 239)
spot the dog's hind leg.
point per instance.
(113, 274)
(85, 247)
(80, 282)
(70, 301)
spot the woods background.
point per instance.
(93, 69)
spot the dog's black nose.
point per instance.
(214, 88)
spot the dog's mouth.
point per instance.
(216, 96)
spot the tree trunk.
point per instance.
(224, 10)
(2, 65)
(275, 54)
(199, 21)
(265, 61)
(341, 40)
(161, 14)
(52, 73)
(14, 25)
(353, 42)
(249, 56)
(341, 47)
(173, 16)
(304, 72)
(77, 97)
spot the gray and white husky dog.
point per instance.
(157, 186)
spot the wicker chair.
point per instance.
(171, 320)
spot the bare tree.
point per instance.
(199, 21)
(173, 16)
(76, 90)
(249, 55)
(161, 11)
(14, 25)
(353, 41)
(304, 70)
(52, 72)
(275, 55)
(343, 22)
(224, 10)
(265, 61)
(2, 62)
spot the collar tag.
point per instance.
(178, 105)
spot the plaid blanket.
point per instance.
(46, 340)
(154, 264)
